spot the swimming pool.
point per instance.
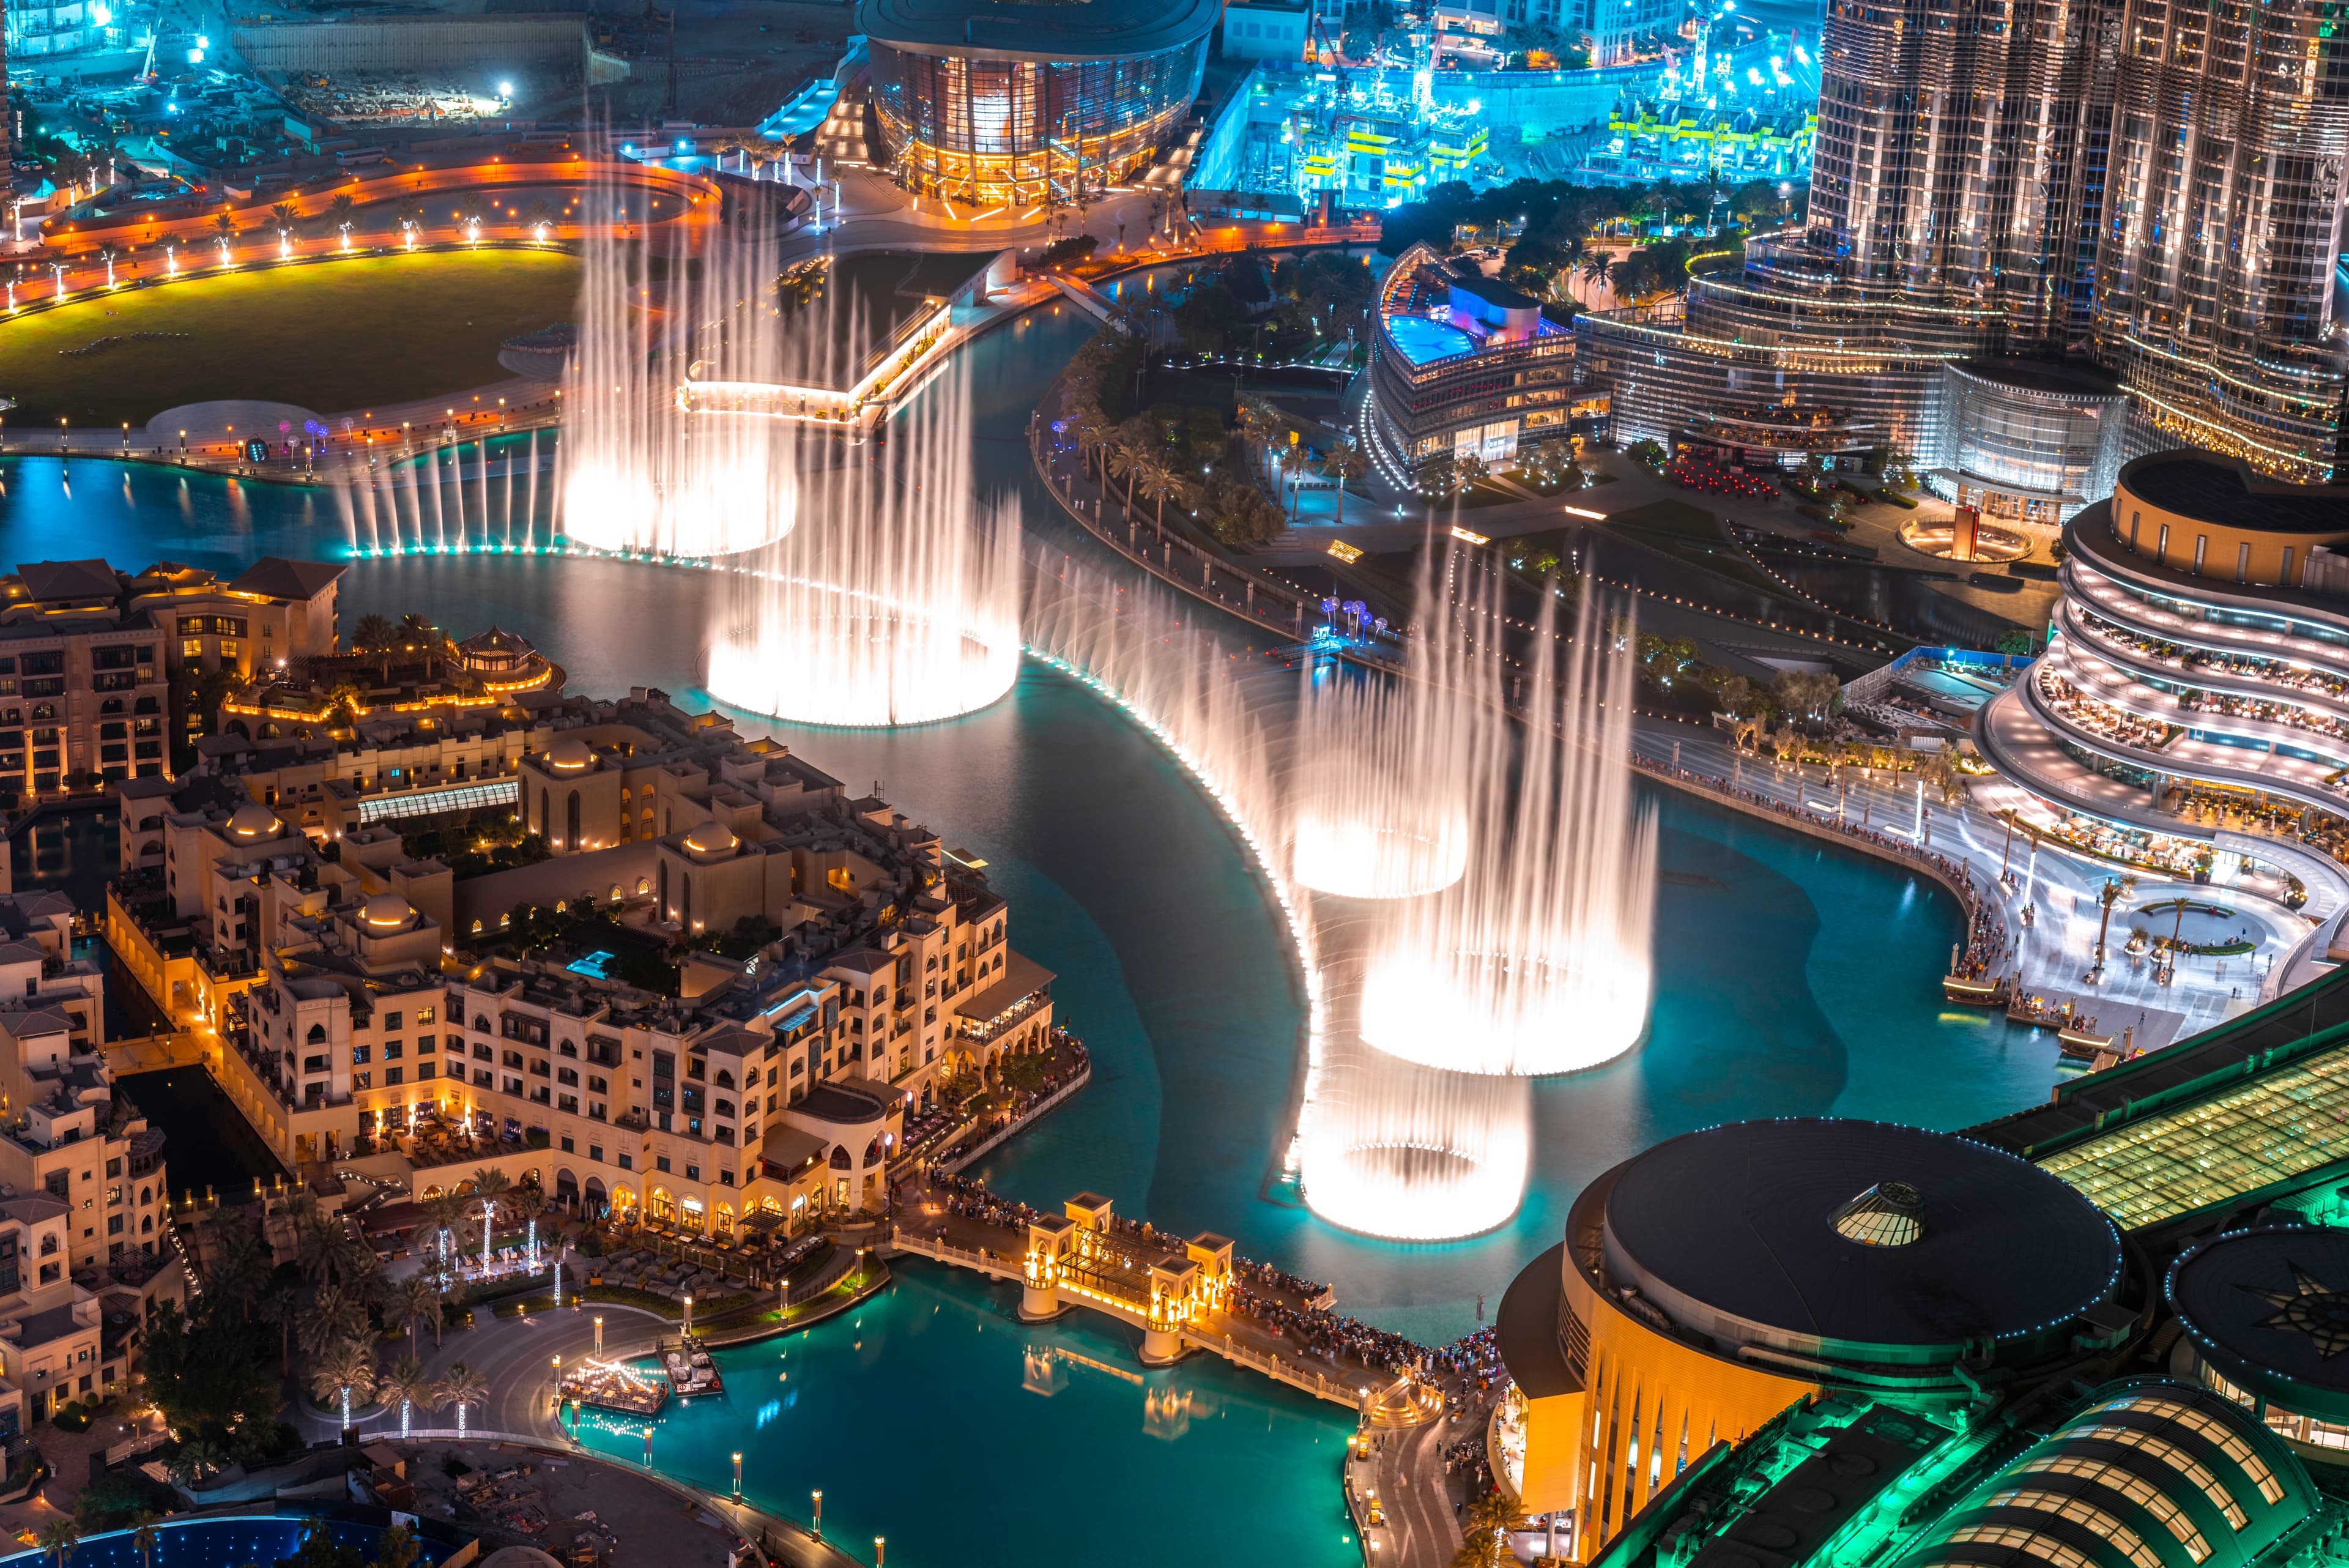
(1422, 339)
(225, 1542)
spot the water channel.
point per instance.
(1792, 977)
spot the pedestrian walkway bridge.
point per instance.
(1175, 1295)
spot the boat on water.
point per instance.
(1988, 991)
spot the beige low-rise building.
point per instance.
(374, 1011)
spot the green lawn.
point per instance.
(333, 336)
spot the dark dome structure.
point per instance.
(1857, 1242)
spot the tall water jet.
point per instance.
(1538, 959)
(1413, 1153)
(639, 469)
(897, 602)
(1379, 783)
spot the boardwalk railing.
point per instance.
(1020, 1122)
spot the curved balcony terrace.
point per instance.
(2185, 758)
(2114, 688)
(2070, 620)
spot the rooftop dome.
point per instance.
(570, 755)
(387, 912)
(711, 839)
(252, 822)
(1888, 1214)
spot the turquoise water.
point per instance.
(1422, 339)
(1792, 976)
(931, 1416)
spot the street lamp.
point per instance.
(816, 1530)
(737, 1472)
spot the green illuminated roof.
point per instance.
(2256, 1109)
(2291, 1122)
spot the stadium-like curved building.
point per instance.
(997, 103)
(1723, 1275)
(2197, 680)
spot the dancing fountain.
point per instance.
(895, 602)
(1537, 961)
(1379, 791)
(446, 500)
(641, 470)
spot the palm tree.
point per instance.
(284, 213)
(404, 1382)
(224, 227)
(346, 1369)
(1162, 481)
(373, 634)
(239, 1268)
(397, 1549)
(446, 1210)
(338, 212)
(284, 1309)
(2114, 890)
(1598, 269)
(195, 1460)
(143, 1536)
(526, 1205)
(335, 1316)
(1490, 1522)
(416, 1298)
(463, 1387)
(58, 1538)
(489, 1184)
(1346, 463)
(1130, 446)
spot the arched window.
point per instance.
(146, 1195)
(725, 1079)
(147, 1225)
(685, 911)
(48, 1244)
(569, 1048)
(318, 1032)
(545, 815)
(664, 890)
(571, 822)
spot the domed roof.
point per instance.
(387, 912)
(252, 822)
(2269, 1309)
(570, 754)
(1857, 1240)
(711, 838)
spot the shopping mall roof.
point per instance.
(1732, 1233)
(2031, 373)
(2223, 491)
(2255, 1108)
(1079, 30)
(2152, 1474)
(2269, 1310)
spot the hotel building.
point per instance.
(88, 653)
(373, 1009)
(86, 1246)
(2196, 684)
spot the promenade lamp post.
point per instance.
(816, 1528)
(689, 1317)
(599, 1334)
(61, 438)
(737, 1472)
(557, 1376)
(880, 1551)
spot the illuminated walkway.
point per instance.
(1175, 1291)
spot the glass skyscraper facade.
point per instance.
(2153, 186)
